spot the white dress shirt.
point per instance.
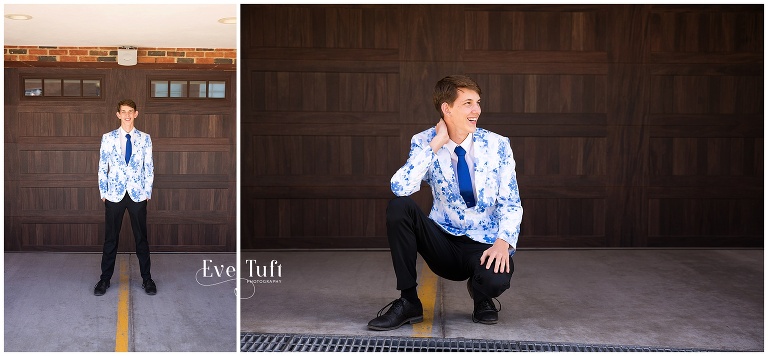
(469, 157)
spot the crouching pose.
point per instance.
(471, 232)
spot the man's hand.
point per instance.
(441, 138)
(499, 252)
(102, 199)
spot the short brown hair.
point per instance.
(126, 102)
(446, 90)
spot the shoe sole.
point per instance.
(149, 293)
(414, 320)
(100, 294)
(490, 322)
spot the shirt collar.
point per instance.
(466, 144)
(123, 133)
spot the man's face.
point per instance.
(462, 115)
(127, 114)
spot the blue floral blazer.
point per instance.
(117, 177)
(498, 212)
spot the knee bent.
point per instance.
(399, 207)
(492, 284)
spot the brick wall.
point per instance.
(212, 56)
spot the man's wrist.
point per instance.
(435, 144)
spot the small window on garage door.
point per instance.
(61, 88)
(192, 89)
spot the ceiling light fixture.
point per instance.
(18, 17)
(228, 20)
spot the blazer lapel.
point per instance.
(446, 168)
(117, 146)
(115, 137)
(481, 161)
(134, 138)
(444, 161)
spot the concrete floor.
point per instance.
(701, 299)
(708, 299)
(50, 306)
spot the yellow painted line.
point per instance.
(121, 331)
(427, 294)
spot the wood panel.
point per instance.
(619, 117)
(322, 89)
(705, 127)
(506, 28)
(51, 145)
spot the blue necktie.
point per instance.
(465, 181)
(127, 148)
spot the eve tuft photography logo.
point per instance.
(215, 274)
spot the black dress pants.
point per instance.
(455, 258)
(113, 222)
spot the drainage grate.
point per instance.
(251, 342)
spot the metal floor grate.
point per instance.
(254, 342)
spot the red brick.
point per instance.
(202, 56)
(214, 54)
(204, 60)
(229, 54)
(165, 60)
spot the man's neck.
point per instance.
(457, 137)
(127, 128)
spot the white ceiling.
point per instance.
(143, 25)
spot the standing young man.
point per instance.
(126, 173)
(471, 232)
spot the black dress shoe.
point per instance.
(485, 311)
(101, 287)
(149, 286)
(401, 312)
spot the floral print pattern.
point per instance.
(498, 212)
(117, 177)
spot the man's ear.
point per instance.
(445, 108)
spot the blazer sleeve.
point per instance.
(104, 166)
(149, 168)
(407, 179)
(509, 210)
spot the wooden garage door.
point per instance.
(632, 125)
(51, 159)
